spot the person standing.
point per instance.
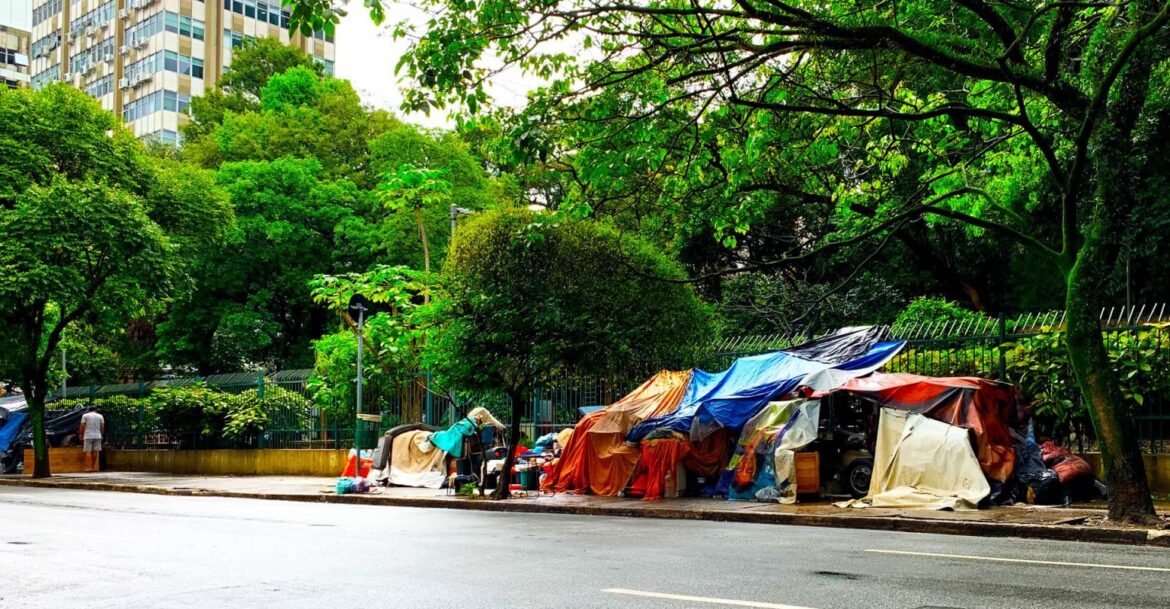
(93, 427)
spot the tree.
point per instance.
(527, 300)
(250, 306)
(416, 189)
(80, 238)
(1039, 123)
(238, 90)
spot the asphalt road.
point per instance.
(80, 549)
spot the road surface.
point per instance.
(81, 549)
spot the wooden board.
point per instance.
(61, 460)
(808, 473)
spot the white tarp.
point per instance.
(923, 463)
(800, 432)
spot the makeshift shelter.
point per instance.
(418, 454)
(596, 458)
(765, 456)
(920, 462)
(990, 409)
(728, 399)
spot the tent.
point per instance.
(990, 409)
(596, 458)
(923, 463)
(728, 399)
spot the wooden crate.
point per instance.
(61, 460)
(808, 473)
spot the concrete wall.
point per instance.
(1157, 470)
(261, 462)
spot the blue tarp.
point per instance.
(729, 398)
(11, 428)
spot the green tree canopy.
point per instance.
(94, 230)
(527, 301)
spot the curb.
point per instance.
(1051, 532)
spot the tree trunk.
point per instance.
(518, 399)
(35, 398)
(1121, 455)
(422, 233)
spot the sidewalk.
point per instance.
(1081, 523)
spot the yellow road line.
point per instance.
(1023, 561)
(702, 599)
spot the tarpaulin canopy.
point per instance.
(988, 408)
(729, 398)
(596, 458)
(923, 463)
(11, 428)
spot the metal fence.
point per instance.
(1019, 350)
(1025, 350)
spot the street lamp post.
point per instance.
(360, 305)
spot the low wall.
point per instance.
(257, 462)
(61, 460)
(1157, 470)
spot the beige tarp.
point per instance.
(416, 462)
(923, 463)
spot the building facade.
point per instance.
(145, 59)
(15, 38)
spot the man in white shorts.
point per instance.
(93, 426)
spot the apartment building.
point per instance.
(146, 59)
(14, 43)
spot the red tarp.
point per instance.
(597, 459)
(988, 408)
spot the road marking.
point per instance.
(702, 599)
(1056, 563)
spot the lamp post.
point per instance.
(455, 212)
(359, 304)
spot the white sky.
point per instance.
(367, 54)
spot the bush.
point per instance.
(927, 311)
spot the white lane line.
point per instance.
(701, 599)
(1024, 561)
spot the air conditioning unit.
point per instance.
(91, 68)
(141, 43)
(123, 83)
(124, 13)
(67, 76)
(124, 50)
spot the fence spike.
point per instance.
(1162, 314)
(1130, 317)
(1139, 315)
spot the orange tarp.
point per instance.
(597, 459)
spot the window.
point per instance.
(102, 86)
(261, 10)
(184, 26)
(42, 46)
(13, 58)
(97, 16)
(326, 65)
(164, 136)
(144, 29)
(176, 102)
(142, 107)
(46, 10)
(47, 76)
(11, 84)
(182, 64)
(81, 61)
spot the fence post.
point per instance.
(1002, 339)
(260, 396)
